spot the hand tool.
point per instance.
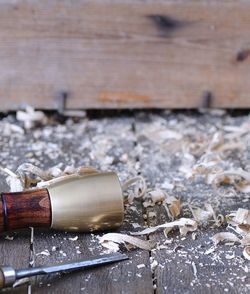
(79, 203)
(8, 275)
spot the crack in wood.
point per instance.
(166, 24)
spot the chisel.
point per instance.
(79, 203)
(9, 275)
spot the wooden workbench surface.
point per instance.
(130, 144)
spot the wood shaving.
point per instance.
(240, 220)
(151, 197)
(242, 216)
(194, 269)
(30, 117)
(73, 238)
(246, 240)
(173, 207)
(29, 176)
(210, 250)
(111, 241)
(225, 236)
(185, 225)
(246, 252)
(156, 196)
(45, 252)
(203, 216)
(239, 178)
(154, 265)
(139, 190)
(9, 238)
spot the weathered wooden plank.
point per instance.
(160, 160)
(123, 54)
(106, 144)
(14, 246)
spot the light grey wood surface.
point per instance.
(124, 54)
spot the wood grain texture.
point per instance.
(123, 54)
(26, 209)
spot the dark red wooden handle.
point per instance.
(25, 209)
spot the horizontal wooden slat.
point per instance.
(108, 54)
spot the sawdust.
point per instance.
(185, 152)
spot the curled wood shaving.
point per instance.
(151, 197)
(73, 238)
(156, 196)
(246, 240)
(172, 206)
(112, 241)
(140, 188)
(28, 176)
(246, 252)
(239, 178)
(218, 144)
(10, 238)
(216, 141)
(203, 216)
(31, 118)
(240, 220)
(225, 236)
(45, 252)
(185, 225)
(242, 216)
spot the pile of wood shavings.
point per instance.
(29, 176)
(203, 155)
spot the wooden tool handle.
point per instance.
(1, 280)
(25, 209)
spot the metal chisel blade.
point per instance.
(82, 264)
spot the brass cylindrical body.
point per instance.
(87, 203)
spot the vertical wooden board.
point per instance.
(101, 143)
(160, 159)
(123, 54)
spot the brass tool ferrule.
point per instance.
(87, 203)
